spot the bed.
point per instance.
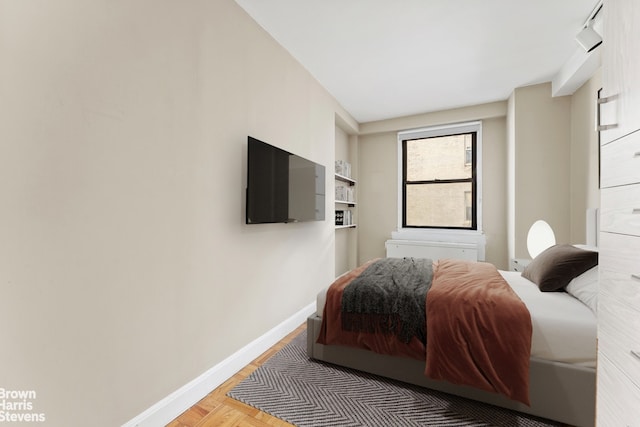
(562, 357)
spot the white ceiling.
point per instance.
(384, 58)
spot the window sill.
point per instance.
(431, 234)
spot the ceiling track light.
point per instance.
(588, 38)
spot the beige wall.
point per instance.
(494, 190)
(377, 193)
(542, 163)
(378, 189)
(554, 162)
(126, 269)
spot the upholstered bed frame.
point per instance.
(558, 391)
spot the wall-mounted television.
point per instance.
(282, 187)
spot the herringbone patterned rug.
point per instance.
(304, 392)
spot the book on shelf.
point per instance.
(345, 194)
(344, 217)
(343, 168)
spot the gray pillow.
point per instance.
(556, 266)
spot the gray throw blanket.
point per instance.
(389, 297)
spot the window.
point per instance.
(439, 177)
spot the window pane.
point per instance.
(444, 157)
(438, 205)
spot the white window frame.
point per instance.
(447, 235)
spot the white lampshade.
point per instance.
(540, 237)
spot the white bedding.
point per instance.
(564, 329)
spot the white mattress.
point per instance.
(564, 329)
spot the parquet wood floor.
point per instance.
(216, 409)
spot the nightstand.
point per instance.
(518, 264)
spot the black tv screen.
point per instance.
(282, 187)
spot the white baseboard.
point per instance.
(166, 410)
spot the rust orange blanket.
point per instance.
(478, 329)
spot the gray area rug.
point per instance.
(304, 392)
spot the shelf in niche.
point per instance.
(344, 202)
(346, 226)
(345, 179)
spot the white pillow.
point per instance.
(585, 288)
